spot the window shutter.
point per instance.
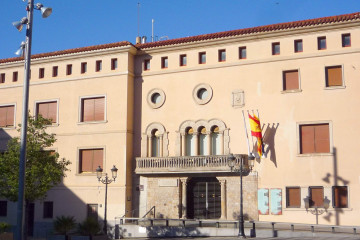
(340, 197)
(3, 111)
(88, 110)
(43, 110)
(10, 116)
(322, 142)
(86, 160)
(317, 197)
(98, 159)
(52, 111)
(334, 76)
(99, 110)
(307, 139)
(293, 197)
(291, 80)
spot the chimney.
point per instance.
(138, 40)
(143, 39)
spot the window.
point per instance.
(183, 60)
(346, 40)
(7, 116)
(69, 69)
(298, 45)
(333, 76)
(242, 52)
(215, 140)
(316, 196)
(3, 208)
(314, 138)
(55, 71)
(290, 80)
(114, 63)
(146, 64)
(222, 55)
(340, 196)
(41, 72)
(93, 109)
(90, 159)
(155, 143)
(202, 57)
(202, 141)
(47, 110)
(92, 211)
(189, 142)
(98, 66)
(321, 43)
(83, 67)
(293, 197)
(2, 78)
(48, 210)
(275, 48)
(15, 77)
(164, 62)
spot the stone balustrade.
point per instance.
(186, 164)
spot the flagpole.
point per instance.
(246, 133)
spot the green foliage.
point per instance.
(64, 224)
(44, 169)
(4, 227)
(89, 226)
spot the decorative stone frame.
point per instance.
(146, 140)
(151, 93)
(197, 89)
(223, 131)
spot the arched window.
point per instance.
(203, 146)
(155, 143)
(215, 140)
(190, 142)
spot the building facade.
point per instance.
(169, 113)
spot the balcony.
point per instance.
(186, 164)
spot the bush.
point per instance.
(89, 227)
(4, 227)
(64, 225)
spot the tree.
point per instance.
(64, 225)
(44, 169)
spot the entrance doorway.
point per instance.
(30, 219)
(204, 198)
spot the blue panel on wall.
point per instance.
(276, 201)
(263, 201)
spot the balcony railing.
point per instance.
(186, 164)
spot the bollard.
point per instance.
(252, 231)
(167, 222)
(217, 224)
(292, 227)
(273, 229)
(200, 223)
(151, 222)
(312, 229)
(333, 229)
(354, 231)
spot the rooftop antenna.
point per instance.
(138, 5)
(152, 30)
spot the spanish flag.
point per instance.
(255, 127)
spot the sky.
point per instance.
(80, 23)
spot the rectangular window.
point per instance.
(3, 208)
(242, 52)
(293, 197)
(222, 55)
(47, 110)
(275, 48)
(114, 63)
(202, 57)
(92, 211)
(41, 72)
(7, 116)
(183, 60)
(83, 67)
(69, 69)
(333, 76)
(90, 159)
(2, 78)
(48, 210)
(298, 45)
(98, 66)
(321, 43)
(93, 109)
(164, 62)
(316, 196)
(346, 40)
(55, 71)
(314, 138)
(290, 80)
(15, 76)
(340, 196)
(146, 64)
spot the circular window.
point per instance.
(156, 98)
(202, 93)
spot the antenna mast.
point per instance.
(138, 5)
(152, 30)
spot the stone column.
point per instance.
(183, 197)
(183, 144)
(223, 199)
(149, 146)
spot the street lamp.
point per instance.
(45, 12)
(106, 181)
(242, 171)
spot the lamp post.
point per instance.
(242, 171)
(106, 180)
(45, 12)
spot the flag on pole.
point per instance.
(255, 127)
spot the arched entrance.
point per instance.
(204, 198)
